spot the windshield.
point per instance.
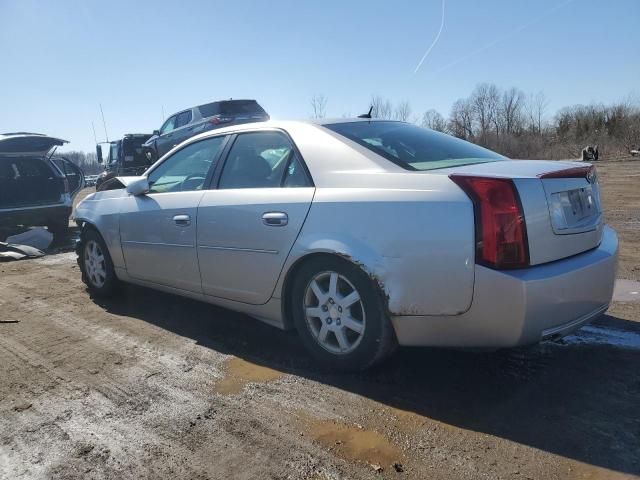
(412, 147)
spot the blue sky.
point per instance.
(61, 59)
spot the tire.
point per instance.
(98, 275)
(59, 226)
(319, 317)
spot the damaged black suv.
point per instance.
(36, 189)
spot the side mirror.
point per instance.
(99, 153)
(139, 186)
(156, 133)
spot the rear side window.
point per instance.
(231, 107)
(183, 119)
(263, 160)
(413, 147)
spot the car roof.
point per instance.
(284, 124)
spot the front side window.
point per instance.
(262, 160)
(186, 169)
(168, 125)
(413, 147)
(114, 151)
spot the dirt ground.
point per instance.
(149, 385)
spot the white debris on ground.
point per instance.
(626, 291)
(36, 237)
(595, 335)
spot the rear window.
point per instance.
(231, 107)
(413, 147)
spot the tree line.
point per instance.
(519, 125)
(86, 161)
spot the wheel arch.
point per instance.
(292, 271)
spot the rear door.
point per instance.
(74, 174)
(247, 226)
(165, 142)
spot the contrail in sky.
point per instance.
(433, 44)
(508, 35)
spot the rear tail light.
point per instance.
(501, 232)
(217, 120)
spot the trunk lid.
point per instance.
(560, 202)
(27, 144)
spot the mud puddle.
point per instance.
(239, 372)
(356, 444)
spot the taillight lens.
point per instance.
(219, 120)
(501, 232)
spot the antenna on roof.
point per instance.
(368, 114)
(104, 123)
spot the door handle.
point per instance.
(182, 220)
(275, 219)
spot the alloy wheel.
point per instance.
(94, 264)
(334, 312)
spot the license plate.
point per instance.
(581, 202)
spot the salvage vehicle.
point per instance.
(192, 121)
(35, 187)
(361, 234)
(125, 157)
(90, 180)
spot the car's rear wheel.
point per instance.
(97, 268)
(339, 314)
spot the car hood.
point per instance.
(23, 144)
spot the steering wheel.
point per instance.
(190, 177)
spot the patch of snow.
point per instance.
(594, 335)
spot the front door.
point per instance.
(158, 229)
(165, 142)
(247, 226)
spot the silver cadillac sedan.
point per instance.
(362, 235)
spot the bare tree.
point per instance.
(403, 111)
(461, 119)
(434, 120)
(537, 109)
(381, 108)
(511, 110)
(484, 100)
(318, 105)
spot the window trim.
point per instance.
(210, 173)
(190, 112)
(215, 184)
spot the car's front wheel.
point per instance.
(96, 265)
(339, 314)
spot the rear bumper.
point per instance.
(521, 307)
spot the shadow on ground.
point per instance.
(577, 401)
